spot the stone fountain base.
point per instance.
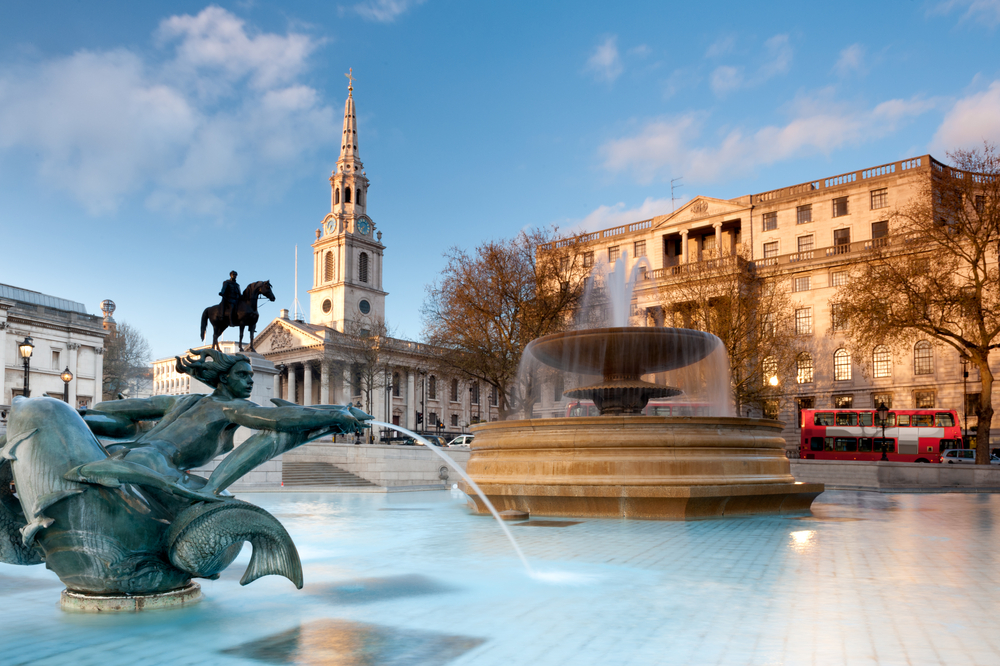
(636, 467)
(83, 602)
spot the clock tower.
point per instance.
(347, 254)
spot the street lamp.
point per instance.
(25, 349)
(67, 377)
(883, 416)
(965, 401)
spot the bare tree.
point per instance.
(488, 305)
(126, 361)
(368, 341)
(936, 276)
(750, 312)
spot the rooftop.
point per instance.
(411, 578)
(38, 298)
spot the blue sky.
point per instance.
(146, 149)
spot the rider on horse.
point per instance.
(230, 297)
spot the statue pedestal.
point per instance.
(82, 602)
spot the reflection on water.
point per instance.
(331, 642)
(369, 590)
(802, 541)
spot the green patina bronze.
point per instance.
(125, 515)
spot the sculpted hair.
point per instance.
(209, 366)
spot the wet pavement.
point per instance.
(414, 579)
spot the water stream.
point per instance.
(455, 466)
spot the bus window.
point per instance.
(949, 444)
(823, 418)
(847, 419)
(904, 420)
(944, 420)
(845, 444)
(865, 445)
(922, 420)
(890, 422)
(816, 444)
(890, 445)
(828, 444)
(867, 418)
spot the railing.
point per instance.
(842, 179)
(606, 233)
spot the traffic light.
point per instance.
(420, 417)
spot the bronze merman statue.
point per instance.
(127, 517)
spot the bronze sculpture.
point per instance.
(127, 517)
(242, 313)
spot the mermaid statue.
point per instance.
(123, 515)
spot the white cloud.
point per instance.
(668, 146)
(726, 78)
(986, 11)
(224, 111)
(851, 60)
(779, 59)
(720, 47)
(606, 217)
(384, 11)
(606, 63)
(971, 121)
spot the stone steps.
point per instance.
(319, 474)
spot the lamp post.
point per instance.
(965, 401)
(67, 377)
(25, 349)
(883, 416)
(423, 400)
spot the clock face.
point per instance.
(364, 226)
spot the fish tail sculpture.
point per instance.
(206, 538)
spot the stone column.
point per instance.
(324, 383)
(718, 239)
(411, 408)
(291, 383)
(98, 375)
(307, 384)
(684, 246)
(73, 348)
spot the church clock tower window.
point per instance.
(328, 267)
(336, 196)
(347, 195)
(363, 267)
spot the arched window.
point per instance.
(347, 195)
(769, 371)
(328, 267)
(923, 358)
(395, 384)
(336, 196)
(363, 267)
(881, 362)
(432, 388)
(454, 390)
(357, 198)
(841, 365)
(804, 368)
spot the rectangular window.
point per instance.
(803, 403)
(770, 221)
(800, 284)
(805, 243)
(923, 420)
(803, 214)
(972, 402)
(708, 242)
(454, 390)
(880, 198)
(866, 418)
(842, 240)
(55, 360)
(563, 264)
(845, 418)
(904, 420)
(944, 420)
(474, 392)
(771, 409)
(823, 418)
(588, 259)
(640, 248)
(880, 229)
(865, 445)
(493, 396)
(770, 249)
(804, 321)
(879, 398)
(838, 322)
(980, 203)
(454, 420)
(613, 254)
(432, 420)
(840, 206)
(923, 399)
(838, 278)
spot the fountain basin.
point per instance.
(670, 468)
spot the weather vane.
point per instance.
(350, 78)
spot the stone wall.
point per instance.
(897, 476)
(383, 465)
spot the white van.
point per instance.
(964, 456)
(462, 440)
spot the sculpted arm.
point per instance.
(117, 418)
(290, 419)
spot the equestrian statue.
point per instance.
(236, 309)
(104, 497)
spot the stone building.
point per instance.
(319, 361)
(65, 337)
(809, 234)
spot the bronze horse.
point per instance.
(246, 314)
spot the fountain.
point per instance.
(624, 464)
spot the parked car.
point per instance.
(462, 440)
(436, 440)
(964, 456)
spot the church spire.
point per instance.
(349, 138)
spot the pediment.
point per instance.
(281, 335)
(698, 208)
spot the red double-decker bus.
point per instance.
(911, 435)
